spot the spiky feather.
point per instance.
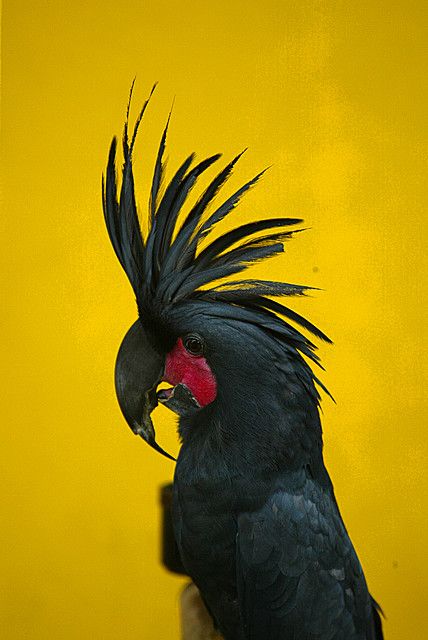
(164, 269)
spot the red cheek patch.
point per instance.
(193, 371)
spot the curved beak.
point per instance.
(139, 370)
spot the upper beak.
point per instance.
(139, 370)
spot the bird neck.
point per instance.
(273, 427)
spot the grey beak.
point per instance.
(139, 370)
(180, 400)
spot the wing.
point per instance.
(298, 575)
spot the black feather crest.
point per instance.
(164, 271)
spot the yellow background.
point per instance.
(332, 94)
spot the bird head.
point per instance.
(193, 334)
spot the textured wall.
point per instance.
(331, 94)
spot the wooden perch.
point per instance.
(196, 622)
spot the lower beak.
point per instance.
(179, 399)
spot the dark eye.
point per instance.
(194, 345)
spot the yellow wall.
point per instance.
(332, 94)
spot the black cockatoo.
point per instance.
(255, 517)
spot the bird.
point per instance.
(255, 516)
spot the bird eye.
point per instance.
(194, 345)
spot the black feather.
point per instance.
(228, 205)
(130, 232)
(179, 200)
(188, 282)
(140, 117)
(154, 250)
(248, 254)
(231, 237)
(275, 306)
(248, 289)
(158, 174)
(182, 250)
(110, 204)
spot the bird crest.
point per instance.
(168, 266)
